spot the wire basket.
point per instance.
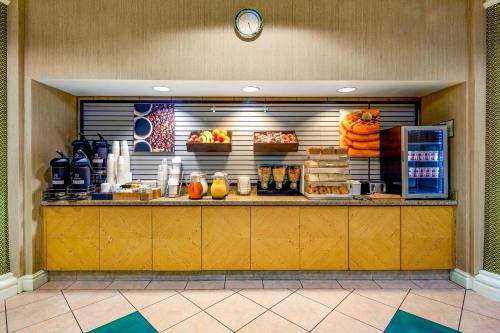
(69, 194)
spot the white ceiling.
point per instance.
(233, 88)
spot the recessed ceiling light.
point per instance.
(250, 89)
(161, 88)
(346, 89)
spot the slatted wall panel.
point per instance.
(314, 124)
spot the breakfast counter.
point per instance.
(251, 200)
(248, 233)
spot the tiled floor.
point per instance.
(250, 306)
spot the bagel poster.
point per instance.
(360, 132)
(154, 128)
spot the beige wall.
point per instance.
(194, 39)
(465, 103)
(445, 105)
(54, 124)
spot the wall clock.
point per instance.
(248, 23)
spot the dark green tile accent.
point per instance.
(492, 208)
(4, 234)
(404, 322)
(133, 323)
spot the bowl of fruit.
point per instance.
(217, 140)
(275, 141)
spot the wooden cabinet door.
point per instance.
(176, 238)
(225, 238)
(275, 238)
(71, 238)
(374, 238)
(126, 238)
(324, 238)
(427, 237)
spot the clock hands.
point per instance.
(248, 18)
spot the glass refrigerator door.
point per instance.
(426, 162)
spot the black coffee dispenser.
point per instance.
(83, 144)
(61, 172)
(81, 172)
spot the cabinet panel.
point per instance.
(427, 237)
(176, 238)
(126, 238)
(226, 238)
(324, 238)
(374, 238)
(275, 238)
(71, 238)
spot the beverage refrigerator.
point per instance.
(414, 161)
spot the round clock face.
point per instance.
(248, 23)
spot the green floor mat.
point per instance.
(133, 323)
(404, 322)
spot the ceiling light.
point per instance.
(346, 89)
(250, 89)
(161, 88)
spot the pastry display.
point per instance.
(324, 190)
(326, 151)
(311, 164)
(359, 133)
(326, 174)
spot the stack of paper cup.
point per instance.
(173, 187)
(121, 175)
(174, 177)
(176, 165)
(116, 152)
(244, 186)
(162, 178)
(125, 153)
(110, 169)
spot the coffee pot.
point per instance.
(61, 172)
(83, 144)
(81, 171)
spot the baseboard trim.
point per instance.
(487, 284)
(462, 278)
(32, 281)
(8, 286)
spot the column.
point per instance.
(4, 234)
(487, 282)
(492, 204)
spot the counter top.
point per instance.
(251, 200)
